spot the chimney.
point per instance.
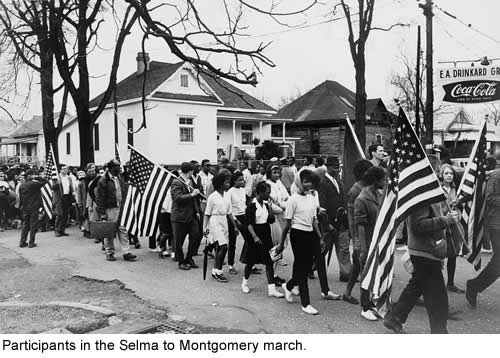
(141, 56)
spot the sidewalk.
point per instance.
(159, 286)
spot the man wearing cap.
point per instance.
(330, 199)
(110, 197)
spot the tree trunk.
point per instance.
(360, 67)
(47, 94)
(85, 132)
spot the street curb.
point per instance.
(104, 311)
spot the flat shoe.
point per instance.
(455, 289)
(350, 299)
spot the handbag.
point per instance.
(275, 256)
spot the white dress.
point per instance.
(278, 197)
(218, 208)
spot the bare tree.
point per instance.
(362, 12)
(74, 33)
(284, 100)
(26, 32)
(493, 112)
(404, 82)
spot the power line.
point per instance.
(450, 35)
(466, 24)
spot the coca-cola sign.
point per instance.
(476, 91)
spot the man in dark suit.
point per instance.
(185, 216)
(330, 199)
(30, 202)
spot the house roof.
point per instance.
(159, 72)
(6, 127)
(131, 86)
(32, 127)
(327, 101)
(185, 97)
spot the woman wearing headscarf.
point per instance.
(277, 201)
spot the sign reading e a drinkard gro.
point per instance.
(471, 84)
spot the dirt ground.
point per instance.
(26, 283)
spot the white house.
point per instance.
(26, 143)
(188, 116)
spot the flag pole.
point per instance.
(169, 172)
(358, 145)
(471, 158)
(57, 170)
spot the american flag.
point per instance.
(50, 173)
(412, 184)
(472, 191)
(148, 186)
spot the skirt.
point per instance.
(253, 253)
(277, 228)
(219, 230)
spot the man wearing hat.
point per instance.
(110, 197)
(330, 198)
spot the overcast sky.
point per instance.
(319, 51)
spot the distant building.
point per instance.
(189, 116)
(319, 120)
(457, 130)
(26, 143)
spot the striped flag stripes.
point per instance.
(148, 186)
(412, 184)
(471, 192)
(46, 191)
(117, 153)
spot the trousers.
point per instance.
(180, 230)
(302, 247)
(427, 280)
(30, 224)
(109, 246)
(62, 220)
(492, 270)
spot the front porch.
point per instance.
(239, 133)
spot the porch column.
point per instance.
(234, 132)
(284, 125)
(260, 131)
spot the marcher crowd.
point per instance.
(269, 207)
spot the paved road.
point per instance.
(214, 304)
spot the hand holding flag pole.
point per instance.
(172, 174)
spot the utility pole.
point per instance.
(429, 103)
(417, 85)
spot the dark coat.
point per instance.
(184, 206)
(329, 198)
(106, 193)
(366, 209)
(30, 197)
